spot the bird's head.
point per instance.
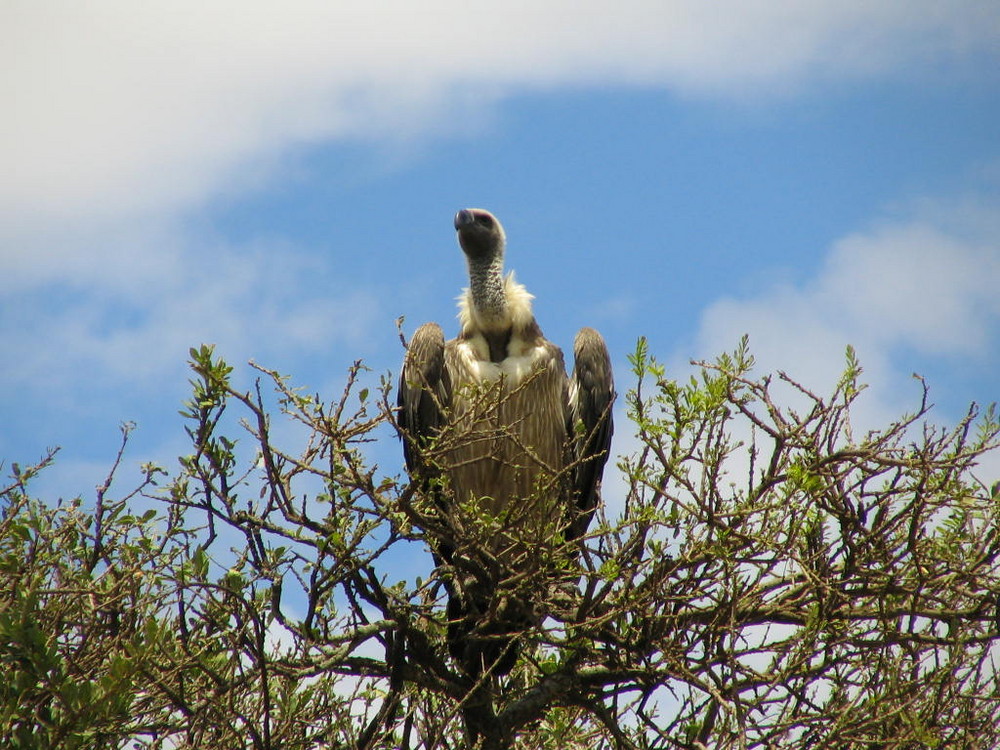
(480, 234)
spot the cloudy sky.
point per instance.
(280, 180)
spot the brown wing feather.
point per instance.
(423, 393)
(592, 393)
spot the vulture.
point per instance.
(508, 448)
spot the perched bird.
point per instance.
(510, 449)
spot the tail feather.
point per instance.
(480, 642)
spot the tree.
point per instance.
(771, 580)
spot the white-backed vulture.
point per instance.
(511, 449)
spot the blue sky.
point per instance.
(280, 180)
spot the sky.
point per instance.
(279, 179)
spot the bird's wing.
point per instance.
(423, 391)
(591, 394)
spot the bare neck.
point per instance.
(487, 288)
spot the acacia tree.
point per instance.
(770, 579)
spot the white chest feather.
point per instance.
(521, 361)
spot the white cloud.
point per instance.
(262, 301)
(924, 284)
(124, 110)
(915, 284)
(927, 283)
